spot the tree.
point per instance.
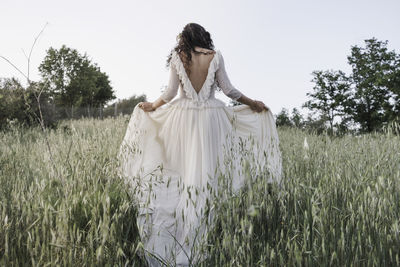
(296, 118)
(330, 96)
(104, 92)
(20, 104)
(74, 80)
(375, 76)
(11, 101)
(315, 125)
(394, 86)
(282, 119)
(60, 68)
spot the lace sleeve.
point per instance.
(224, 83)
(173, 85)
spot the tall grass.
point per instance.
(83, 218)
(339, 206)
(339, 203)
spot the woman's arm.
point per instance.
(229, 90)
(168, 94)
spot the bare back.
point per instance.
(199, 66)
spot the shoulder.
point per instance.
(218, 56)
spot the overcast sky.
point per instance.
(270, 47)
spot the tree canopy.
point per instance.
(368, 97)
(74, 80)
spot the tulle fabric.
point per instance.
(171, 159)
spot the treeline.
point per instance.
(309, 122)
(71, 86)
(365, 100)
(19, 105)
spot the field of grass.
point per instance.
(339, 204)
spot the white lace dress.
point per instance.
(171, 159)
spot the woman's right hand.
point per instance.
(146, 106)
(258, 106)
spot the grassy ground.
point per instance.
(339, 204)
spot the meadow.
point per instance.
(339, 204)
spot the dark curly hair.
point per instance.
(192, 35)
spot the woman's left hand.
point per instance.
(258, 106)
(146, 106)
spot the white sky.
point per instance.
(270, 47)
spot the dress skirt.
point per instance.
(172, 159)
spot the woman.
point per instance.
(172, 154)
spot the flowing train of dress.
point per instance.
(171, 159)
